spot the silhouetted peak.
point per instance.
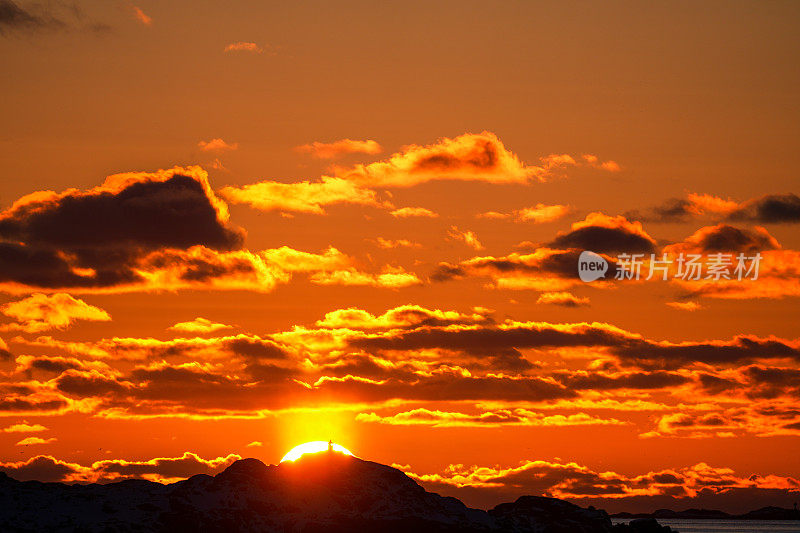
(247, 467)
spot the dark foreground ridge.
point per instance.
(324, 492)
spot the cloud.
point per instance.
(40, 312)
(34, 440)
(767, 209)
(13, 17)
(406, 212)
(388, 244)
(390, 277)
(141, 16)
(594, 161)
(725, 238)
(743, 274)
(777, 416)
(467, 237)
(469, 157)
(565, 299)
(255, 444)
(509, 337)
(546, 269)
(303, 197)
(402, 316)
(770, 209)
(777, 270)
(162, 469)
(606, 234)
(4, 353)
(24, 427)
(537, 214)
(151, 231)
(96, 238)
(243, 46)
(54, 364)
(338, 148)
(199, 325)
(217, 145)
(148, 348)
(487, 419)
(572, 481)
(685, 306)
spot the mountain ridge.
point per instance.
(327, 491)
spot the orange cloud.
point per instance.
(471, 157)
(537, 214)
(406, 212)
(217, 145)
(725, 238)
(160, 469)
(40, 312)
(565, 299)
(685, 306)
(467, 237)
(388, 244)
(594, 161)
(569, 480)
(303, 197)
(24, 427)
(405, 315)
(141, 16)
(34, 440)
(488, 419)
(243, 46)
(701, 203)
(199, 325)
(336, 149)
(390, 277)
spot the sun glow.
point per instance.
(314, 447)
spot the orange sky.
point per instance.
(228, 229)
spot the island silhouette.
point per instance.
(319, 492)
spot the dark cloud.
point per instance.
(725, 238)
(88, 384)
(50, 469)
(741, 348)
(147, 215)
(25, 404)
(698, 486)
(672, 210)
(629, 348)
(40, 468)
(96, 238)
(603, 240)
(556, 263)
(38, 17)
(166, 467)
(770, 209)
(14, 17)
(635, 380)
(255, 348)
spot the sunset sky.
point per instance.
(229, 228)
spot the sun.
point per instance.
(315, 446)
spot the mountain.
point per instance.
(765, 513)
(324, 492)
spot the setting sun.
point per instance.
(314, 447)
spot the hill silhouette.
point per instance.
(327, 491)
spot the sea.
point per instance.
(686, 525)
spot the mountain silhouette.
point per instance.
(323, 492)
